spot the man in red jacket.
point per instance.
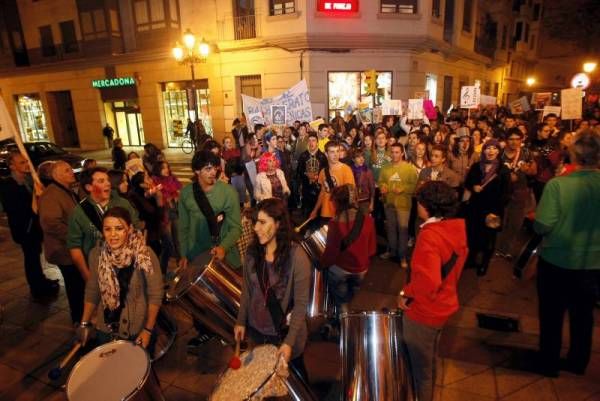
(430, 297)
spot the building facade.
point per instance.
(68, 67)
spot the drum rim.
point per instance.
(181, 294)
(254, 391)
(392, 313)
(138, 386)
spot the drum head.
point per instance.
(256, 375)
(113, 371)
(187, 277)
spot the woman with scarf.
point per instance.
(486, 195)
(365, 183)
(125, 281)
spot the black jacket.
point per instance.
(16, 201)
(302, 159)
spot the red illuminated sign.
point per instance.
(337, 6)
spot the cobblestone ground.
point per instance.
(475, 363)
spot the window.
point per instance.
(347, 91)
(93, 24)
(32, 121)
(467, 15)
(435, 8)
(536, 11)
(154, 14)
(279, 7)
(399, 6)
(431, 86)
(47, 41)
(526, 37)
(69, 39)
(518, 31)
(504, 33)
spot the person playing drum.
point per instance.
(275, 286)
(125, 280)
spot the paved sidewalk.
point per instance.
(475, 365)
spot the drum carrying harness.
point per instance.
(205, 207)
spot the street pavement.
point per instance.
(475, 364)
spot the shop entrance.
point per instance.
(126, 119)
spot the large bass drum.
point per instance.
(119, 370)
(320, 303)
(375, 366)
(210, 291)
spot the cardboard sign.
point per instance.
(488, 100)
(415, 109)
(7, 127)
(519, 106)
(391, 107)
(571, 103)
(470, 97)
(541, 100)
(551, 110)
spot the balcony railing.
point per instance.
(239, 28)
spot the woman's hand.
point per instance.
(239, 332)
(477, 188)
(285, 351)
(143, 338)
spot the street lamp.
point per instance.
(191, 54)
(530, 81)
(589, 67)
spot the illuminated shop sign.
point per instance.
(337, 6)
(113, 82)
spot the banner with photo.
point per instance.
(291, 105)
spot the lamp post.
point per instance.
(191, 53)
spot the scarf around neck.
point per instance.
(135, 252)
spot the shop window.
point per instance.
(347, 92)
(32, 121)
(399, 6)
(177, 113)
(69, 38)
(279, 7)
(467, 15)
(436, 8)
(47, 41)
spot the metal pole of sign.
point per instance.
(194, 105)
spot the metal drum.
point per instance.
(166, 331)
(525, 266)
(261, 376)
(210, 293)
(319, 301)
(374, 364)
(119, 370)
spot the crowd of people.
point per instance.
(438, 195)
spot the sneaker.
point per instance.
(385, 255)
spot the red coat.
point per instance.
(355, 259)
(434, 300)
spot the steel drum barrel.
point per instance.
(374, 364)
(319, 301)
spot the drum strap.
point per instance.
(449, 265)
(328, 178)
(354, 232)
(92, 213)
(208, 212)
(275, 310)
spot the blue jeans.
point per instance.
(421, 342)
(396, 227)
(343, 285)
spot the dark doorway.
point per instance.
(447, 93)
(449, 21)
(62, 117)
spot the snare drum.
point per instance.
(320, 303)
(119, 370)
(210, 293)
(314, 245)
(261, 375)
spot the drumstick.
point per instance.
(55, 373)
(235, 362)
(297, 229)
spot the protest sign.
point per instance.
(296, 101)
(541, 100)
(377, 115)
(571, 103)
(278, 112)
(415, 109)
(429, 109)
(315, 124)
(391, 107)
(551, 110)
(422, 95)
(7, 127)
(519, 106)
(470, 97)
(134, 166)
(488, 100)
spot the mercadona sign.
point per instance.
(113, 82)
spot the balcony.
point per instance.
(239, 28)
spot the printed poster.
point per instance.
(571, 103)
(470, 97)
(541, 100)
(391, 107)
(415, 109)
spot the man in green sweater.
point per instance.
(85, 222)
(569, 265)
(397, 182)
